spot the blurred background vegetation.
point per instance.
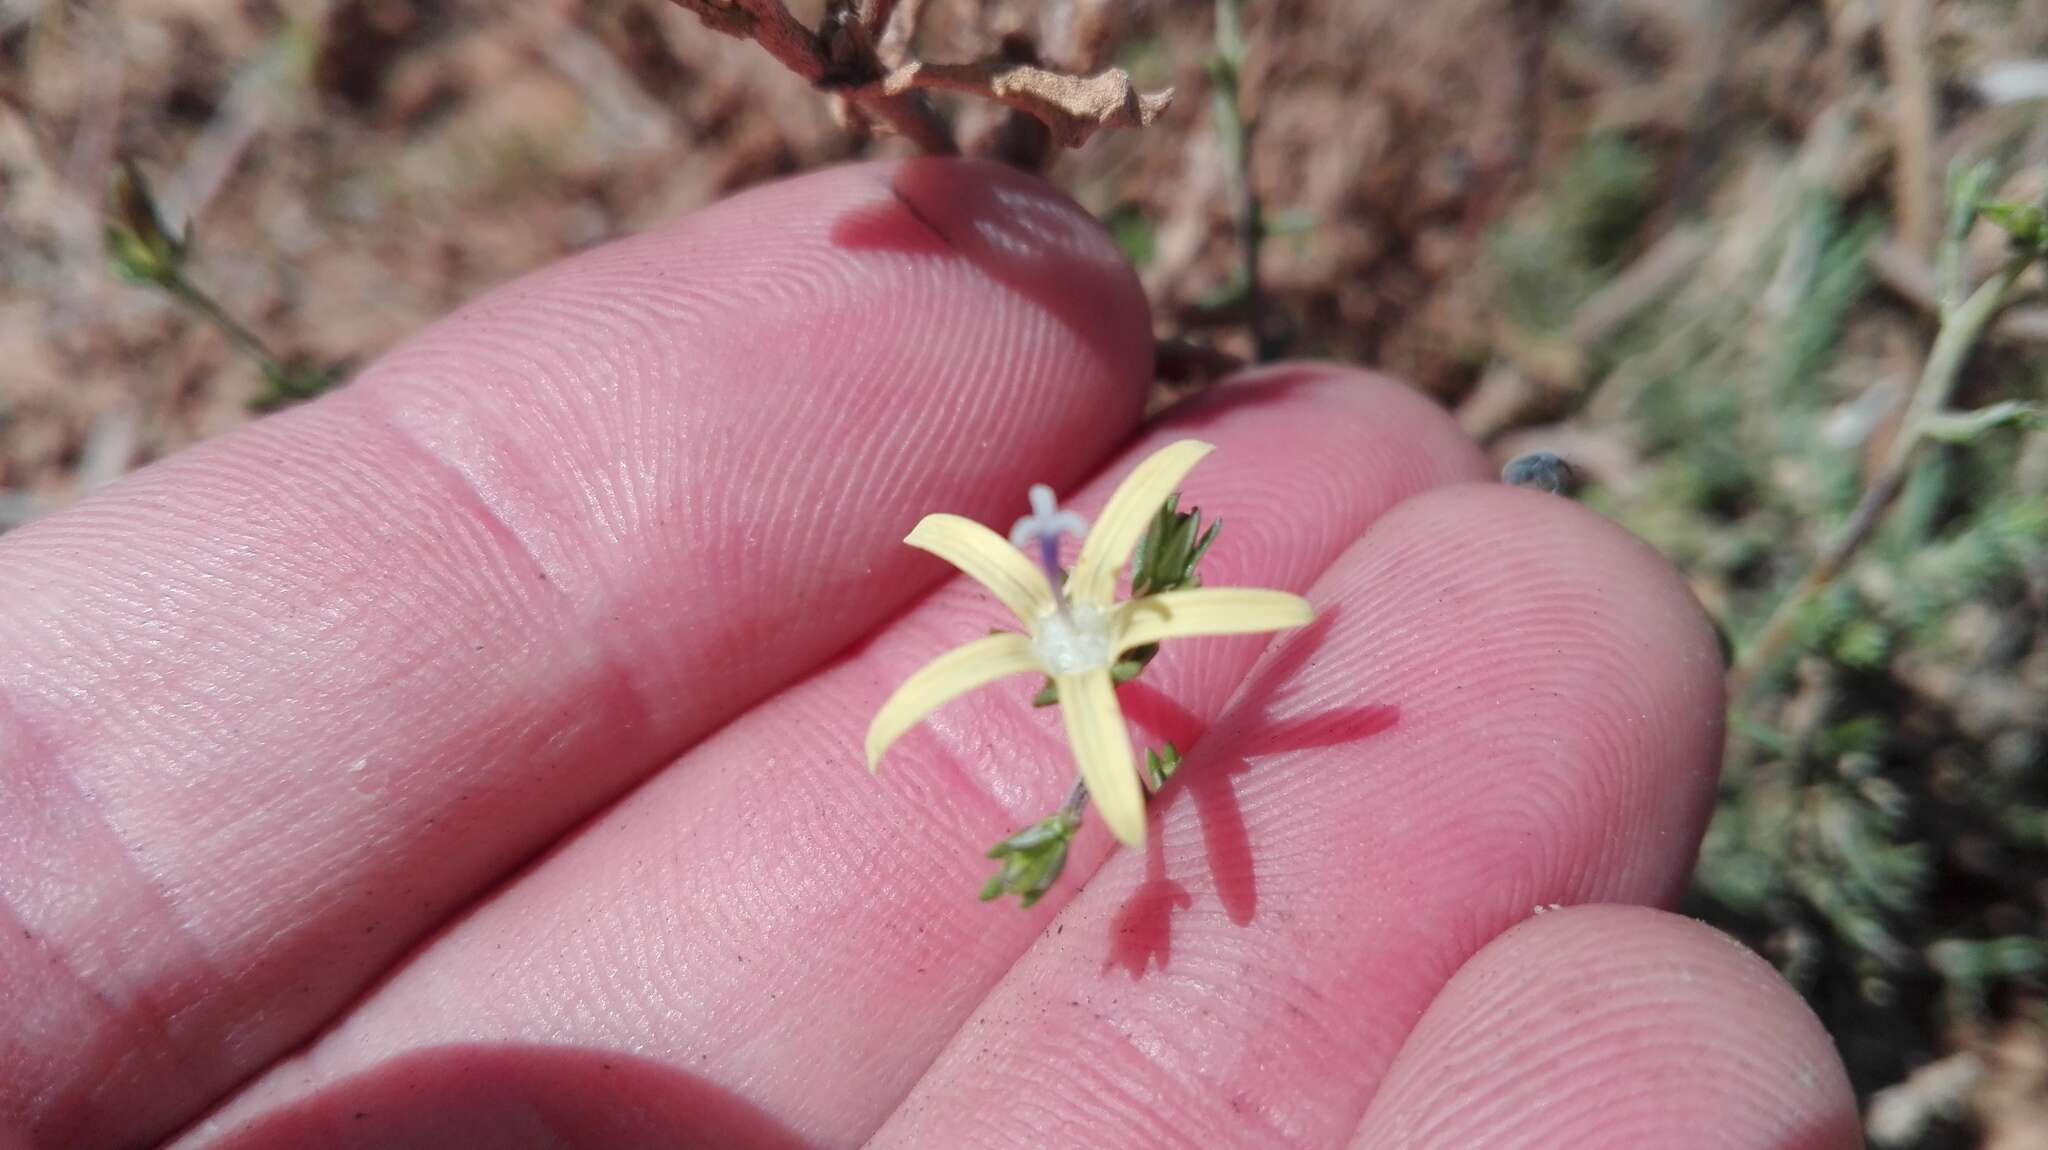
(1699, 248)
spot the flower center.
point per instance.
(1075, 640)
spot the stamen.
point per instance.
(1044, 526)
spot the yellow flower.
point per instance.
(1074, 627)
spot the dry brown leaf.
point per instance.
(1072, 107)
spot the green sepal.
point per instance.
(141, 248)
(1165, 560)
(1032, 859)
(1171, 547)
(1160, 766)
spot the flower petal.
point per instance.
(944, 679)
(1102, 746)
(988, 559)
(1208, 611)
(1124, 520)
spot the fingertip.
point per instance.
(1033, 239)
(1433, 444)
(1615, 1026)
(1545, 583)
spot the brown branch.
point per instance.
(845, 59)
(1912, 92)
(720, 17)
(841, 60)
(1073, 108)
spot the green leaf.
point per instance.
(1965, 426)
(1967, 186)
(1032, 859)
(1291, 222)
(1972, 960)
(1134, 234)
(2025, 223)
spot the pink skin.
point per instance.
(884, 866)
(1612, 1028)
(276, 709)
(1511, 705)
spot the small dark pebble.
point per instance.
(1540, 470)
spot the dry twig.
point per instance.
(846, 58)
(841, 59)
(1912, 93)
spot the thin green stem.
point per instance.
(184, 291)
(1234, 137)
(1962, 326)
(1077, 799)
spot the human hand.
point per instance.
(280, 716)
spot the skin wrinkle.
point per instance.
(915, 212)
(546, 518)
(128, 1011)
(613, 671)
(472, 499)
(769, 626)
(235, 630)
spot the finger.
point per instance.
(1512, 703)
(770, 919)
(1620, 1027)
(276, 706)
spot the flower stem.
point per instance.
(245, 341)
(1077, 799)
